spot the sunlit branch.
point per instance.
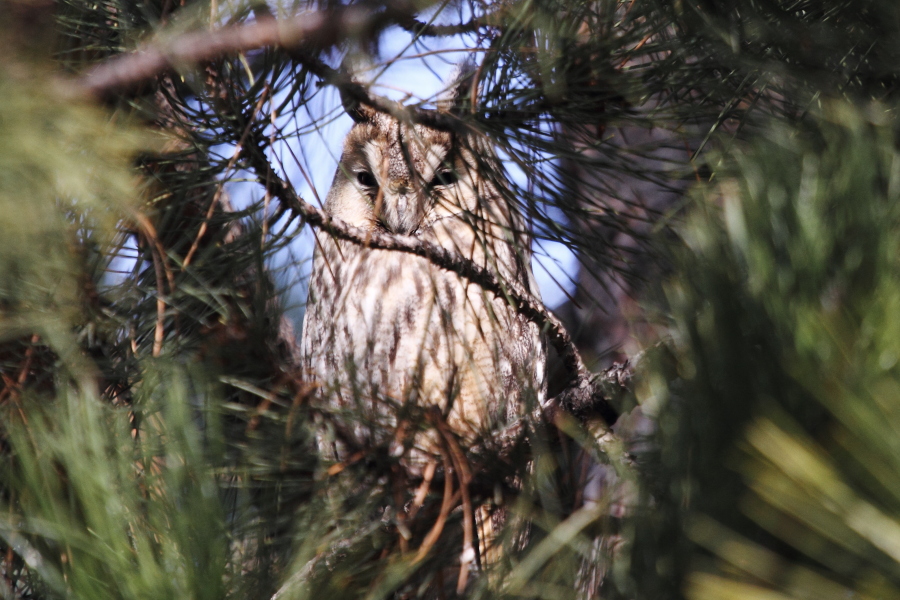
(312, 30)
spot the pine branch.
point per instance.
(301, 37)
(412, 25)
(313, 30)
(307, 34)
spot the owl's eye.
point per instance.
(366, 179)
(444, 177)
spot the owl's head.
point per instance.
(403, 177)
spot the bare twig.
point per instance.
(423, 489)
(353, 459)
(446, 505)
(160, 270)
(464, 476)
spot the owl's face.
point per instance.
(401, 178)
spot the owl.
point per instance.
(387, 332)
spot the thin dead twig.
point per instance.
(161, 270)
(29, 358)
(353, 459)
(446, 506)
(464, 475)
(422, 491)
(13, 386)
(221, 187)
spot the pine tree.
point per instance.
(725, 173)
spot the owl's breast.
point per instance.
(391, 328)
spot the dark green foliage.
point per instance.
(778, 430)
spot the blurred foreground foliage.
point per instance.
(66, 181)
(777, 472)
(157, 441)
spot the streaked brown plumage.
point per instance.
(385, 329)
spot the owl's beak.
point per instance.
(403, 213)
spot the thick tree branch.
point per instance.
(314, 31)
(302, 37)
(304, 34)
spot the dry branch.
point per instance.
(313, 30)
(308, 33)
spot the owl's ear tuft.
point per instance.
(463, 87)
(359, 112)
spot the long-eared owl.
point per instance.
(384, 330)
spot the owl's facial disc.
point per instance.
(400, 182)
(394, 176)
